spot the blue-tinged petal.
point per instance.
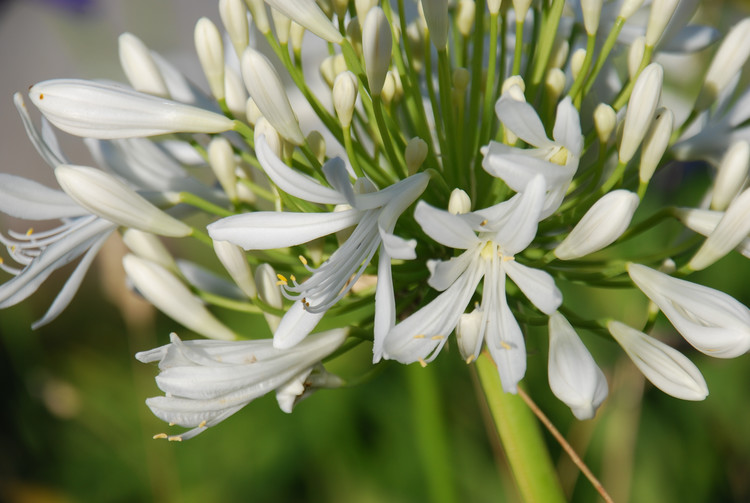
(537, 285)
(521, 227)
(263, 230)
(444, 227)
(27, 199)
(567, 130)
(522, 119)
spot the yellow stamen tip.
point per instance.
(303, 260)
(159, 436)
(420, 336)
(470, 359)
(422, 363)
(292, 278)
(505, 345)
(30, 231)
(483, 223)
(175, 438)
(202, 424)
(437, 337)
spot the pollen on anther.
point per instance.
(30, 231)
(303, 260)
(419, 336)
(437, 337)
(505, 345)
(422, 363)
(202, 424)
(483, 222)
(470, 359)
(159, 436)
(41, 96)
(171, 424)
(282, 280)
(175, 438)
(292, 278)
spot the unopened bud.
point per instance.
(728, 60)
(559, 54)
(655, 143)
(317, 144)
(731, 230)
(629, 7)
(731, 175)
(308, 14)
(275, 143)
(269, 292)
(210, 49)
(281, 25)
(222, 161)
(233, 258)
(592, 10)
(139, 66)
(661, 13)
(555, 83)
(468, 333)
(296, 34)
(234, 93)
(635, 56)
(148, 246)
(461, 78)
(521, 7)
(576, 62)
(260, 17)
(252, 112)
(436, 17)
(388, 93)
(605, 120)
(641, 109)
(465, 16)
(344, 97)
(376, 47)
(415, 154)
(234, 17)
(459, 202)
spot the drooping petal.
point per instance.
(27, 199)
(522, 119)
(520, 230)
(385, 306)
(444, 227)
(517, 168)
(567, 130)
(537, 285)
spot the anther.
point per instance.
(159, 436)
(505, 345)
(470, 359)
(483, 223)
(202, 424)
(419, 336)
(437, 337)
(282, 280)
(422, 363)
(175, 438)
(303, 260)
(30, 231)
(292, 278)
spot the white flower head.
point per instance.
(205, 382)
(307, 13)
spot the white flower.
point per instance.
(207, 381)
(705, 221)
(641, 109)
(307, 13)
(373, 212)
(573, 375)
(504, 230)
(376, 48)
(666, 368)
(712, 321)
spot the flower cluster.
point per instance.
(447, 174)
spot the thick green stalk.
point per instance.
(521, 437)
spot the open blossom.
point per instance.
(504, 230)
(373, 212)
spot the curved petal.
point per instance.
(444, 273)
(444, 227)
(522, 119)
(537, 285)
(295, 326)
(27, 199)
(385, 306)
(517, 168)
(504, 339)
(567, 131)
(521, 227)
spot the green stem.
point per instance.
(546, 41)
(581, 78)
(606, 49)
(208, 207)
(521, 437)
(518, 49)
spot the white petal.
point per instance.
(537, 285)
(295, 325)
(522, 119)
(517, 167)
(567, 131)
(444, 272)
(385, 306)
(308, 14)
(505, 340)
(731, 230)
(27, 199)
(444, 227)
(521, 227)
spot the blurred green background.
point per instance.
(75, 427)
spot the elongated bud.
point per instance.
(641, 109)
(233, 258)
(376, 47)
(576, 61)
(729, 59)
(465, 16)
(521, 7)
(234, 17)
(555, 83)
(222, 161)
(269, 292)
(308, 14)
(574, 377)
(605, 221)
(559, 54)
(106, 196)
(340, 7)
(661, 13)
(252, 112)
(592, 11)
(344, 97)
(317, 145)
(210, 49)
(629, 7)
(666, 368)
(655, 143)
(732, 229)
(296, 34)
(139, 66)
(148, 246)
(731, 175)
(275, 143)
(388, 93)
(170, 296)
(260, 16)
(281, 24)
(459, 202)
(635, 56)
(267, 90)
(436, 17)
(605, 120)
(468, 333)
(234, 93)
(362, 8)
(415, 154)
(107, 111)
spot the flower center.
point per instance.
(559, 156)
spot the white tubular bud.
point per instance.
(574, 377)
(362, 8)
(354, 34)
(728, 60)
(308, 14)
(296, 34)
(327, 7)
(732, 229)
(139, 66)
(376, 48)
(388, 93)
(436, 17)
(210, 49)
(605, 120)
(281, 25)
(459, 202)
(592, 11)
(222, 161)
(731, 175)
(602, 224)
(269, 292)
(340, 7)
(465, 12)
(510, 83)
(233, 258)
(629, 7)
(275, 143)
(252, 112)
(266, 88)
(415, 154)
(635, 55)
(234, 93)
(107, 111)
(641, 109)
(468, 331)
(555, 83)
(149, 247)
(661, 13)
(666, 368)
(559, 54)
(576, 61)
(655, 143)
(234, 17)
(317, 144)
(170, 296)
(344, 96)
(260, 16)
(494, 6)
(521, 7)
(106, 196)
(327, 70)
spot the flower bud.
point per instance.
(252, 112)
(106, 196)
(105, 111)
(574, 376)
(635, 56)
(733, 227)
(234, 93)
(592, 10)
(139, 66)
(629, 7)
(459, 202)
(555, 83)
(170, 296)
(605, 120)
(521, 7)
(266, 88)
(376, 47)
(233, 258)
(576, 62)
(260, 17)
(666, 368)
(234, 17)
(362, 8)
(731, 175)
(296, 35)
(465, 16)
(641, 108)
(559, 54)
(340, 7)
(415, 154)
(728, 60)
(436, 17)
(494, 6)
(468, 332)
(655, 143)
(210, 49)
(317, 144)
(344, 97)
(149, 247)
(354, 34)
(327, 70)
(308, 14)
(388, 93)
(661, 13)
(281, 24)
(275, 143)
(269, 292)
(704, 222)
(602, 224)
(222, 161)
